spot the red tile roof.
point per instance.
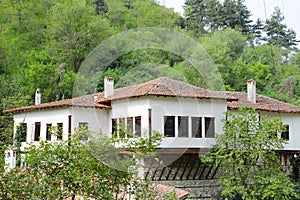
(262, 103)
(163, 87)
(83, 101)
(169, 88)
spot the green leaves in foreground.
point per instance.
(63, 169)
(248, 165)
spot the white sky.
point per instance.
(290, 9)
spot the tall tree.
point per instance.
(203, 15)
(277, 32)
(245, 153)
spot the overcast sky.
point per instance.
(290, 9)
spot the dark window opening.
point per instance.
(209, 127)
(286, 134)
(169, 126)
(48, 132)
(60, 131)
(130, 124)
(196, 127)
(23, 132)
(83, 126)
(114, 127)
(183, 126)
(37, 131)
(138, 126)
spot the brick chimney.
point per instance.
(251, 90)
(37, 97)
(108, 87)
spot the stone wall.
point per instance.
(199, 189)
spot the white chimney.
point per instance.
(108, 87)
(251, 90)
(37, 97)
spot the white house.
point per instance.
(188, 116)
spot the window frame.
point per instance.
(168, 122)
(37, 131)
(60, 128)
(48, 132)
(196, 132)
(183, 121)
(207, 131)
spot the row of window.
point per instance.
(197, 125)
(132, 124)
(37, 131)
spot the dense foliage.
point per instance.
(43, 43)
(62, 169)
(248, 165)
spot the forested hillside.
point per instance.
(44, 42)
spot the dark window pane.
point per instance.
(209, 127)
(286, 134)
(138, 126)
(23, 132)
(183, 126)
(130, 124)
(169, 126)
(83, 126)
(60, 131)
(37, 131)
(196, 127)
(114, 127)
(48, 132)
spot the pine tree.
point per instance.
(277, 32)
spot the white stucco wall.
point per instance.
(96, 118)
(293, 120)
(52, 116)
(166, 106)
(169, 106)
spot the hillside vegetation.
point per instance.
(44, 42)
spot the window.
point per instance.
(286, 134)
(138, 126)
(183, 126)
(60, 131)
(209, 127)
(114, 127)
(83, 126)
(196, 127)
(37, 131)
(23, 132)
(130, 124)
(48, 132)
(169, 126)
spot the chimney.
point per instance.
(37, 97)
(108, 87)
(251, 90)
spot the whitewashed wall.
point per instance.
(166, 106)
(169, 106)
(96, 118)
(52, 116)
(293, 120)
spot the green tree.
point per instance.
(203, 15)
(236, 15)
(63, 169)
(248, 164)
(277, 32)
